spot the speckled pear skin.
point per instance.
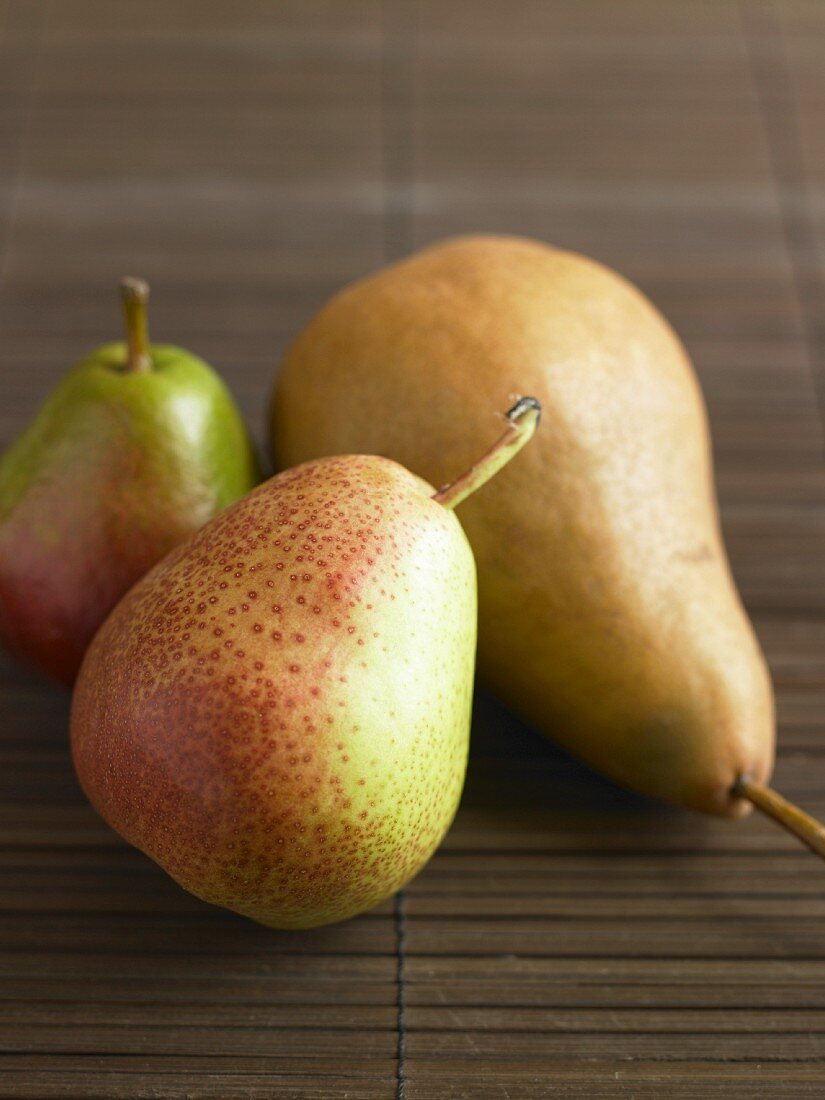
(116, 469)
(607, 612)
(279, 713)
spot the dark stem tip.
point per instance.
(523, 405)
(134, 290)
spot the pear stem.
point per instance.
(806, 828)
(523, 420)
(134, 293)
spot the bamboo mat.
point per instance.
(569, 939)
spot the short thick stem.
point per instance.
(134, 293)
(523, 419)
(796, 821)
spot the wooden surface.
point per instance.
(247, 158)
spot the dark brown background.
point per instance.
(248, 158)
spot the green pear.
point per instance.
(278, 713)
(137, 448)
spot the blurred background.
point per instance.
(248, 159)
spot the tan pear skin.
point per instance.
(608, 616)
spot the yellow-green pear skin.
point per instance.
(607, 611)
(279, 712)
(131, 452)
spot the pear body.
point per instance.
(117, 468)
(607, 612)
(278, 713)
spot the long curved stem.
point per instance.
(523, 420)
(134, 293)
(796, 821)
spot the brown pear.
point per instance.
(607, 611)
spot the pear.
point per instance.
(278, 713)
(608, 616)
(137, 447)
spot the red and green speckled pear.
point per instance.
(278, 714)
(137, 448)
